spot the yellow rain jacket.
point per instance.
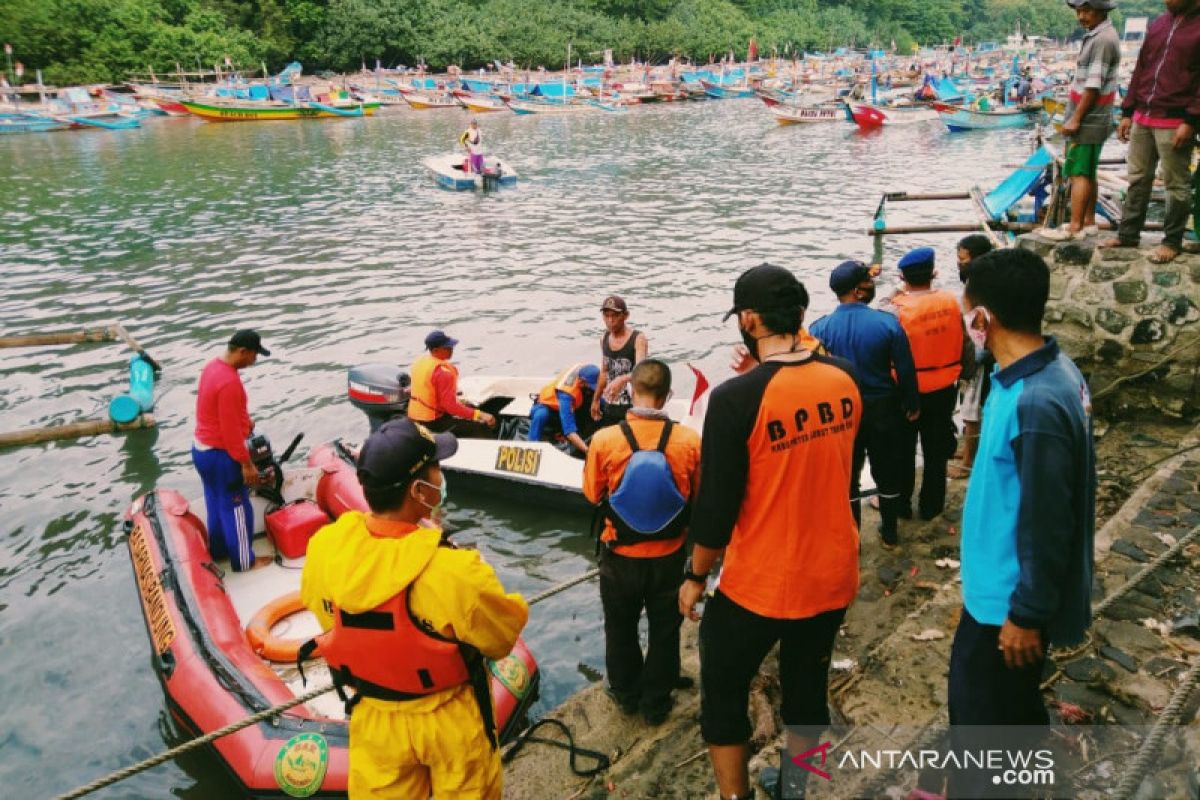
(437, 744)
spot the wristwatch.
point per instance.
(688, 575)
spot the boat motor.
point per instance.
(381, 391)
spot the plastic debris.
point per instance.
(843, 664)
(1161, 628)
(1166, 538)
(928, 635)
(947, 563)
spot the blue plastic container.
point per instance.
(123, 408)
(141, 383)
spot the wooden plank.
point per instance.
(87, 427)
(106, 334)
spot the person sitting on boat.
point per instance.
(566, 394)
(220, 454)
(434, 401)
(472, 142)
(621, 348)
(422, 719)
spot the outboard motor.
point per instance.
(381, 391)
(491, 175)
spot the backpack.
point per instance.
(647, 506)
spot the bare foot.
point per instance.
(262, 561)
(1163, 254)
(1113, 241)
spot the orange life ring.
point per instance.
(258, 632)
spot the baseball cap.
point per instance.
(847, 275)
(398, 450)
(1099, 5)
(919, 259)
(589, 374)
(615, 303)
(766, 288)
(439, 339)
(250, 340)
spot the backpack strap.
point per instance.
(628, 431)
(665, 437)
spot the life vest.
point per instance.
(566, 381)
(647, 505)
(933, 323)
(423, 404)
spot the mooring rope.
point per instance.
(1150, 748)
(261, 716)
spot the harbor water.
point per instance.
(327, 237)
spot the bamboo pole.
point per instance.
(899, 197)
(87, 427)
(106, 334)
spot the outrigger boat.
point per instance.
(449, 171)
(218, 637)
(961, 118)
(786, 114)
(214, 110)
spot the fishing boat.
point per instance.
(869, 115)
(29, 123)
(224, 643)
(420, 101)
(449, 171)
(961, 118)
(722, 91)
(214, 110)
(797, 115)
(481, 103)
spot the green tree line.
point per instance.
(80, 41)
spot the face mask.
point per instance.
(437, 510)
(978, 335)
(866, 295)
(750, 342)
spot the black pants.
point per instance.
(627, 585)
(935, 428)
(733, 643)
(880, 438)
(991, 706)
(462, 428)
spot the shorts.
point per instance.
(1082, 160)
(970, 398)
(733, 643)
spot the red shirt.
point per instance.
(222, 421)
(445, 383)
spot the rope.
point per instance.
(273, 711)
(1129, 585)
(1146, 756)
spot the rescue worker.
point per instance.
(875, 343)
(421, 720)
(646, 498)
(941, 351)
(220, 454)
(621, 348)
(566, 394)
(434, 401)
(472, 142)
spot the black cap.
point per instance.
(847, 275)
(1099, 5)
(439, 339)
(398, 450)
(766, 288)
(250, 340)
(615, 303)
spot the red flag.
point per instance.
(752, 51)
(701, 388)
(957, 41)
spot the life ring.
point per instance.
(263, 642)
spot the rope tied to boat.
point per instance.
(273, 711)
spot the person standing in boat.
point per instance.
(621, 349)
(1089, 115)
(775, 465)
(434, 401)
(472, 142)
(408, 617)
(220, 454)
(646, 501)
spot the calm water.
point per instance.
(327, 237)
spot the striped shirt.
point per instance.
(1096, 68)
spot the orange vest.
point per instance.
(933, 322)
(423, 404)
(382, 653)
(566, 381)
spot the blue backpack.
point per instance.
(647, 506)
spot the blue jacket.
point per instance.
(1029, 519)
(874, 343)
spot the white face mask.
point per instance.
(978, 334)
(438, 509)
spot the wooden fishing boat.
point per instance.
(726, 91)
(449, 171)
(29, 123)
(218, 111)
(961, 118)
(868, 115)
(481, 104)
(430, 102)
(799, 115)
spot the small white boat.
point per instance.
(797, 115)
(449, 171)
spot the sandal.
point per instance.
(1163, 254)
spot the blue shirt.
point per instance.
(1030, 514)
(875, 344)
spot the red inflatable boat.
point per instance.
(216, 672)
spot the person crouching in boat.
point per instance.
(408, 617)
(434, 400)
(567, 393)
(472, 142)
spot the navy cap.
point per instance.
(398, 450)
(847, 275)
(250, 340)
(589, 374)
(439, 339)
(921, 258)
(767, 288)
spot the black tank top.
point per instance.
(620, 362)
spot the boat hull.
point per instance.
(805, 115)
(957, 118)
(248, 113)
(447, 171)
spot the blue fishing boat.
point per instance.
(29, 123)
(727, 92)
(961, 118)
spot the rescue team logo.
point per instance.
(829, 419)
(512, 672)
(301, 764)
(520, 460)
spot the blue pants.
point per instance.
(230, 518)
(539, 415)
